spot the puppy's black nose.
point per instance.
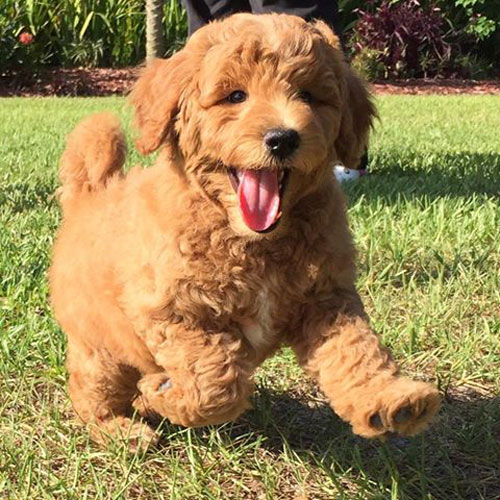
(281, 142)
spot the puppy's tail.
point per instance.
(95, 151)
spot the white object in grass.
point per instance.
(344, 174)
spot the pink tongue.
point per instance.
(258, 194)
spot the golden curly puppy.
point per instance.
(173, 283)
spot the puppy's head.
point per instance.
(257, 108)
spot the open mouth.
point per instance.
(260, 193)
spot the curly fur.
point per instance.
(168, 300)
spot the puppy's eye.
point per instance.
(236, 97)
(305, 96)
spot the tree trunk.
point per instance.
(155, 41)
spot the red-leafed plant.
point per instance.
(405, 38)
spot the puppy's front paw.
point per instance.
(399, 405)
(160, 395)
(151, 386)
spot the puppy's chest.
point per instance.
(250, 298)
(234, 285)
(259, 327)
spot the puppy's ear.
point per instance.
(357, 107)
(358, 113)
(155, 98)
(327, 33)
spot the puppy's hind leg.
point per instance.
(102, 392)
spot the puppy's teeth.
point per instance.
(281, 175)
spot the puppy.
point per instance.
(173, 283)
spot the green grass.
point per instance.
(426, 224)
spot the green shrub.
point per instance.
(368, 63)
(474, 31)
(112, 33)
(81, 32)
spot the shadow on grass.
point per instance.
(465, 175)
(457, 458)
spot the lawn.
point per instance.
(426, 224)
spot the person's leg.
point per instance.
(364, 162)
(198, 14)
(201, 12)
(326, 10)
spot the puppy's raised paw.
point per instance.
(151, 386)
(401, 406)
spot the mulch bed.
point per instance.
(82, 82)
(106, 81)
(438, 86)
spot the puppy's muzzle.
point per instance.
(281, 143)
